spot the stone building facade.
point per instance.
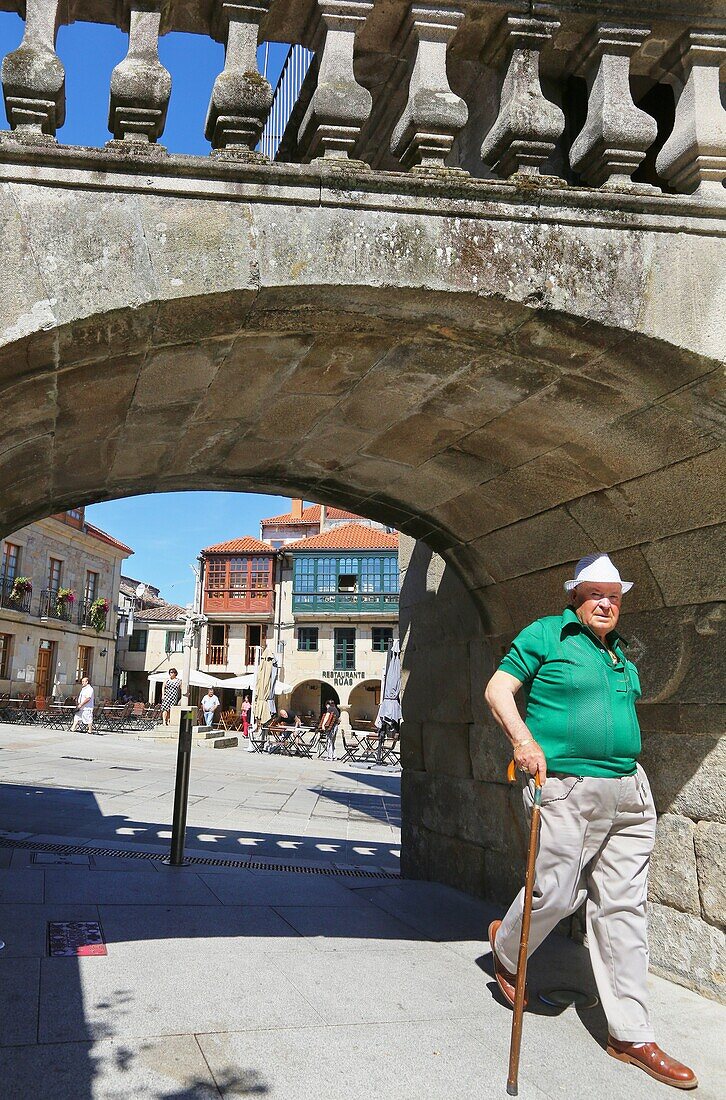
(49, 634)
(321, 588)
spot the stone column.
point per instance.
(33, 76)
(616, 134)
(693, 158)
(140, 85)
(433, 116)
(528, 125)
(241, 97)
(340, 105)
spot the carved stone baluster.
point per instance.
(528, 125)
(340, 105)
(241, 97)
(616, 134)
(33, 77)
(693, 158)
(433, 116)
(140, 85)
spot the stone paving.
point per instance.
(223, 983)
(245, 804)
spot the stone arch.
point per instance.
(507, 440)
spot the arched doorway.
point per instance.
(363, 700)
(308, 698)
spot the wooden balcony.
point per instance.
(216, 655)
(244, 601)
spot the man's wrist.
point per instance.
(525, 741)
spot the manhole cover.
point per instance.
(75, 937)
(561, 998)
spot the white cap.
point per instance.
(600, 570)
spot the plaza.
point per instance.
(226, 981)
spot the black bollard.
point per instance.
(181, 789)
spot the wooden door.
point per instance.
(44, 670)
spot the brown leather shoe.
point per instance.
(649, 1057)
(505, 980)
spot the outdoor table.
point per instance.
(58, 716)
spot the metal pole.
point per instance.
(181, 789)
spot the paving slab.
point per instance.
(19, 992)
(23, 885)
(73, 884)
(259, 927)
(410, 1061)
(281, 888)
(165, 989)
(144, 1069)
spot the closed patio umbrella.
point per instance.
(263, 699)
(390, 707)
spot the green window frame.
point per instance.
(344, 649)
(307, 639)
(380, 638)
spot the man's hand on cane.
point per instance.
(528, 757)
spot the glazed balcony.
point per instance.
(243, 601)
(349, 603)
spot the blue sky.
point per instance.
(166, 531)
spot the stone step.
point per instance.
(228, 742)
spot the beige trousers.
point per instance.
(595, 844)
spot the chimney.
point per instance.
(296, 509)
(323, 517)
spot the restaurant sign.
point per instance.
(341, 678)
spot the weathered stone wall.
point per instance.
(515, 375)
(461, 823)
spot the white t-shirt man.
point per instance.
(84, 705)
(209, 705)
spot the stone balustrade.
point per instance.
(417, 84)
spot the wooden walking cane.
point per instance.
(517, 1017)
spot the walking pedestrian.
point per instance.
(210, 702)
(84, 707)
(171, 696)
(329, 723)
(581, 736)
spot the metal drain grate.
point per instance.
(200, 861)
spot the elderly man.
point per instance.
(581, 735)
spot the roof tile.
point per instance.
(311, 514)
(245, 545)
(351, 536)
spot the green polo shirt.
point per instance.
(581, 706)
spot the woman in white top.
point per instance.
(84, 707)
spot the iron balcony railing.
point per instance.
(333, 602)
(286, 94)
(19, 601)
(51, 607)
